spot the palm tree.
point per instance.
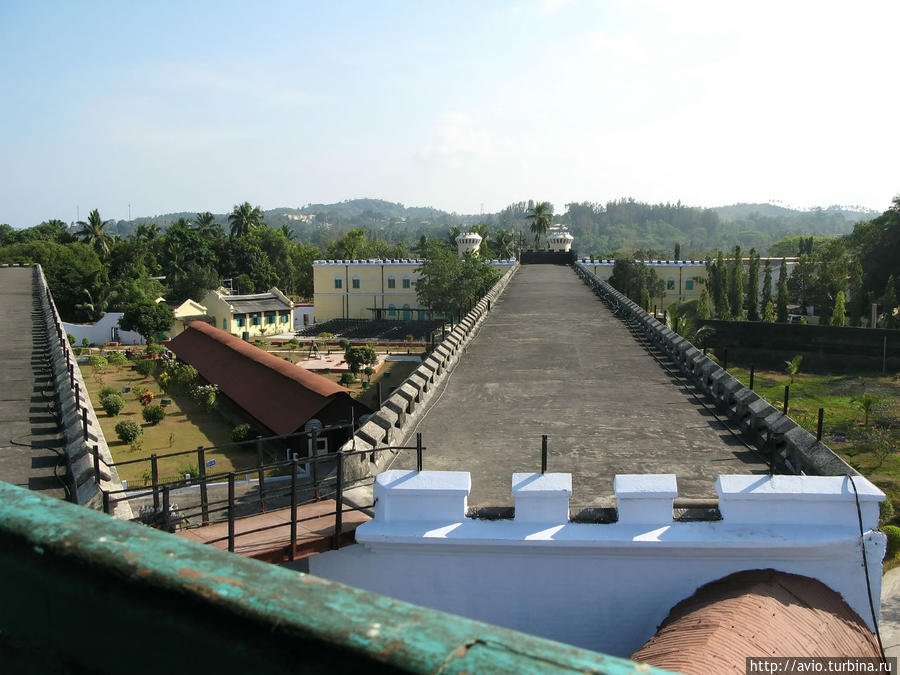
(505, 244)
(205, 223)
(146, 232)
(93, 232)
(792, 367)
(866, 402)
(244, 218)
(541, 218)
(287, 233)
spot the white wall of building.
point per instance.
(602, 586)
(102, 331)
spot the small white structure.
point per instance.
(303, 314)
(605, 586)
(106, 329)
(468, 241)
(560, 240)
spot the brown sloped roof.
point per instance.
(756, 613)
(279, 394)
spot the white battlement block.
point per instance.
(796, 500)
(421, 495)
(645, 498)
(542, 497)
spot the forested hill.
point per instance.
(600, 229)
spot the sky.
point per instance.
(465, 106)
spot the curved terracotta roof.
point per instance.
(279, 394)
(756, 613)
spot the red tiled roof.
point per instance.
(277, 393)
(756, 613)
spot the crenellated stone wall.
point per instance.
(403, 408)
(793, 448)
(76, 414)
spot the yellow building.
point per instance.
(250, 316)
(684, 279)
(371, 289)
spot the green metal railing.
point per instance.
(83, 592)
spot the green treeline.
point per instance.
(99, 265)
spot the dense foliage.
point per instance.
(100, 265)
(452, 284)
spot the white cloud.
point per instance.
(455, 139)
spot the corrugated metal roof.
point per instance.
(259, 302)
(762, 613)
(279, 394)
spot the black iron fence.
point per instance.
(279, 484)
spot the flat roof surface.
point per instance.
(29, 435)
(552, 359)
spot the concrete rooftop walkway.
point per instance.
(552, 359)
(30, 441)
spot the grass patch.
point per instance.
(844, 429)
(186, 426)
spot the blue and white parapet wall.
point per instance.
(605, 586)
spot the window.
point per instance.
(689, 285)
(224, 324)
(406, 283)
(392, 311)
(255, 320)
(392, 282)
(270, 319)
(670, 285)
(421, 315)
(240, 321)
(284, 318)
(354, 283)
(338, 283)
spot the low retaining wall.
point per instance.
(76, 415)
(792, 448)
(401, 411)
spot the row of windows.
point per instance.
(257, 320)
(354, 283)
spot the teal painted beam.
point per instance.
(83, 592)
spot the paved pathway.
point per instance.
(552, 359)
(30, 441)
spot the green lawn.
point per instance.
(186, 426)
(844, 429)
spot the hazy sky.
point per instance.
(172, 106)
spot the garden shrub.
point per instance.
(155, 349)
(145, 367)
(344, 343)
(153, 414)
(893, 540)
(113, 404)
(116, 358)
(128, 431)
(106, 391)
(186, 376)
(97, 361)
(347, 378)
(205, 395)
(145, 397)
(71, 339)
(243, 432)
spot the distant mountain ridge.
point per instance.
(599, 228)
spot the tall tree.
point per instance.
(541, 218)
(767, 283)
(889, 300)
(837, 314)
(146, 232)
(677, 251)
(244, 218)
(781, 302)
(753, 286)
(206, 224)
(504, 244)
(717, 279)
(703, 311)
(736, 285)
(150, 319)
(93, 232)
